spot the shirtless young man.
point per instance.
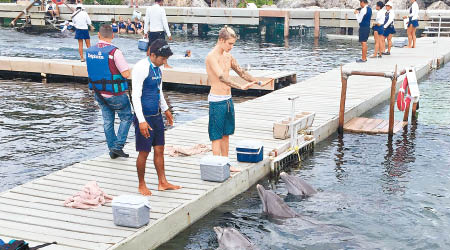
(221, 109)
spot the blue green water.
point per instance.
(379, 193)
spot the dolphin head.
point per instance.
(230, 238)
(261, 192)
(273, 205)
(296, 186)
(219, 232)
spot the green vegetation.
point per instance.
(6, 1)
(103, 2)
(258, 3)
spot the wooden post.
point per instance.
(316, 24)
(286, 24)
(342, 105)
(413, 114)
(406, 115)
(391, 108)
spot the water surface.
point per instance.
(377, 193)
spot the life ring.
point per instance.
(58, 2)
(402, 100)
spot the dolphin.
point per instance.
(230, 239)
(296, 186)
(274, 205)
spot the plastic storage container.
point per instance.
(131, 211)
(214, 168)
(143, 44)
(249, 151)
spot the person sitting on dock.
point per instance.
(221, 109)
(148, 102)
(139, 26)
(52, 10)
(81, 21)
(389, 28)
(108, 72)
(114, 26)
(155, 24)
(363, 17)
(131, 29)
(122, 26)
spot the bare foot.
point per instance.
(167, 186)
(144, 190)
(233, 169)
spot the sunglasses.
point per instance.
(164, 47)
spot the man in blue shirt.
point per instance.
(363, 17)
(149, 102)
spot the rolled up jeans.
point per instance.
(116, 104)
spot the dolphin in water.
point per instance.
(230, 239)
(274, 205)
(296, 186)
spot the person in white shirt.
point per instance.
(155, 24)
(81, 21)
(149, 103)
(52, 9)
(413, 23)
(378, 30)
(389, 29)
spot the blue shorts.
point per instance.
(389, 30)
(82, 34)
(364, 33)
(414, 23)
(379, 29)
(156, 134)
(221, 119)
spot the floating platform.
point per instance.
(186, 77)
(372, 126)
(35, 212)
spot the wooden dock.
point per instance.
(34, 211)
(188, 77)
(338, 18)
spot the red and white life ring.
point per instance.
(58, 2)
(403, 100)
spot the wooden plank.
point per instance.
(69, 227)
(373, 124)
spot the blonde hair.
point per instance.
(226, 33)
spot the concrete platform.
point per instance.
(34, 211)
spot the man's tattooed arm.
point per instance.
(241, 72)
(230, 83)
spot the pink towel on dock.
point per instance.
(90, 197)
(176, 151)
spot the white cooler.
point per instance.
(214, 168)
(131, 211)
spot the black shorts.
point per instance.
(152, 36)
(156, 134)
(364, 33)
